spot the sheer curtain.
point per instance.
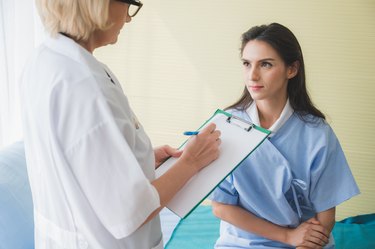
(20, 32)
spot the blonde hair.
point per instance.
(76, 18)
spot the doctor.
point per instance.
(90, 163)
(284, 195)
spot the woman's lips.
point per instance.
(255, 88)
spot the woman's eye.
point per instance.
(266, 64)
(245, 63)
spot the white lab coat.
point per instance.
(89, 161)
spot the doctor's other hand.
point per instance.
(310, 234)
(203, 148)
(163, 152)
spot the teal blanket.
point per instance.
(355, 232)
(201, 229)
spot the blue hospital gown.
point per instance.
(289, 178)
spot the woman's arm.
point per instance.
(327, 218)
(309, 234)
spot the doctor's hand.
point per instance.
(310, 234)
(162, 153)
(203, 148)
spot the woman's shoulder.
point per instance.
(312, 125)
(310, 121)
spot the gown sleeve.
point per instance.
(225, 192)
(332, 181)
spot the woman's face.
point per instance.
(266, 75)
(118, 16)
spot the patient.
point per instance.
(285, 193)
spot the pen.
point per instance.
(191, 133)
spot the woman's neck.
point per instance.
(88, 45)
(269, 111)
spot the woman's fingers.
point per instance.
(322, 232)
(318, 238)
(203, 148)
(210, 128)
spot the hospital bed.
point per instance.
(198, 231)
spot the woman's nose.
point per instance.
(254, 74)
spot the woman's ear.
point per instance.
(293, 69)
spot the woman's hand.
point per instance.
(203, 148)
(310, 234)
(163, 152)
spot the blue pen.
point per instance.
(191, 133)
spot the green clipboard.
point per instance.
(239, 138)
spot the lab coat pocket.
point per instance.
(50, 235)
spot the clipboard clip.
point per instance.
(246, 125)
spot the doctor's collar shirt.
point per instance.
(89, 162)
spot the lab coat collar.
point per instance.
(252, 111)
(64, 45)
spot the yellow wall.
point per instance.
(179, 62)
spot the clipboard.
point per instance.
(239, 138)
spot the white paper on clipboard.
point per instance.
(238, 139)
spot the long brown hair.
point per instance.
(287, 46)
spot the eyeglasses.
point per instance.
(134, 6)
